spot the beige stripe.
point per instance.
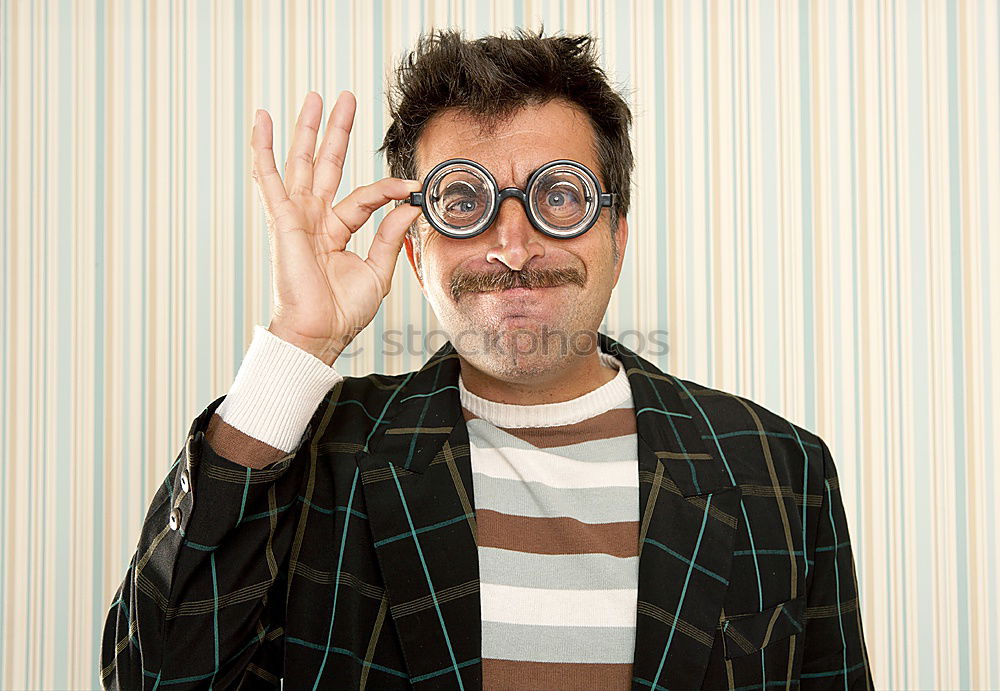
(765, 445)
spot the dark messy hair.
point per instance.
(494, 76)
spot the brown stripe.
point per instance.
(562, 535)
(517, 674)
(239, 447)
(616, 422)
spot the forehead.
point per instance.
(529, 137)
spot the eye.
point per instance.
(461, 203)
(463, 206)
(562, 196)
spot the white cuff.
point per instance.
(277, 389)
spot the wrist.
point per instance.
(327, 350)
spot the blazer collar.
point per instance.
(418, 488)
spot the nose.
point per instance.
(514, 241)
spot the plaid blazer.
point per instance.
(351, 562)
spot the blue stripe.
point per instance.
(919, 328)
(215, 617)
(427, 575)
(349, 653)
(738, 220)
(381, 415)
(770, 213)
(708, 235)
(144, 361)
(686, 560)
(444, 670)
(34, 390)
(904, 451)
(807, 230)
(855, 295)
(425, 529)
(690, 258)
(240, 167)
(832, 673)
(989, 469)
(756, 433)
(243, 501)
(661, 412)
(336, 585)
(377, 325)
(805, 488)
(660, 149)
(254, 640)
(63, 417)
(431, 393)
(202, 200)
(687, 579)
(751, 261)
(961, 500)
(836, 575)
(884, 300)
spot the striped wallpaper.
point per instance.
(814, 191)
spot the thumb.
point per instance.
(388, 240)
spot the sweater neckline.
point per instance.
(512, 415)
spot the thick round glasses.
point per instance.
(460, 198)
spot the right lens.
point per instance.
(563, 198)
(460, 199)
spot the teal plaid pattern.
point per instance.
(352, 562)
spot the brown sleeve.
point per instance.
(239, 447)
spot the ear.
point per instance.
(621, 234)
(413, 254)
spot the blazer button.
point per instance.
(185, 482)
(175, 519)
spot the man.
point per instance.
(537, 506)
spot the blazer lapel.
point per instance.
(688, 505)
(417, 481)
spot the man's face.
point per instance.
(514, 334)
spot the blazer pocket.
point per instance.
(743, 634)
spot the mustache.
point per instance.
(509, 278)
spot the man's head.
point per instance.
(513, 104)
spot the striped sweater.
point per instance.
(557, 512)
(557, 518)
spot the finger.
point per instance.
(333, 150)
(265, 172)
(299, 164)
(354, 210)
(388, 240)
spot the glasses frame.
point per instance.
(603, 198)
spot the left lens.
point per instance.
(460, 199)
(564, 199)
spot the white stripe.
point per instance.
(528, 465)
(552, 607)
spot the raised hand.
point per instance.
(323, 293)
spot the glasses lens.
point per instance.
(460, 198)
(564, 199)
